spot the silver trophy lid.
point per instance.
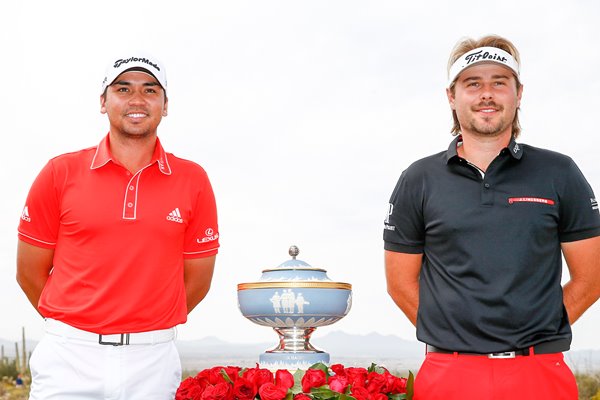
(294, 263)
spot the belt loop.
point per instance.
(455, 354)
(531, 351)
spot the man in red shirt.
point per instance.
(117, 244)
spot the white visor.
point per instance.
(479, 55)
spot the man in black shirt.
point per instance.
(474, 237)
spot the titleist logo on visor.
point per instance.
(480, 55)
(484, 55)
(120, 62)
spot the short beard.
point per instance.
(487, 130)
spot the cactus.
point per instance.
(24, 356)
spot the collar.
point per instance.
(453, 149)
(514, 149)
(103, 156)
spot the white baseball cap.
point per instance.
(135, 61)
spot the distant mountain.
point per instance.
(211, 346)
(372, 344)
(391, 351)
(344, 348)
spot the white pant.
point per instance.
(74, 368)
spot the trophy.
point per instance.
(294, 299)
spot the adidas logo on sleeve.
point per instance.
(25, 214)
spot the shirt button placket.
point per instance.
(487, 194)
(130, 198)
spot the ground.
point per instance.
(8, 391)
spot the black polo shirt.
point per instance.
(491, 274)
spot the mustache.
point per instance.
(488, 104)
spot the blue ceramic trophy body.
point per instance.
(294, 299)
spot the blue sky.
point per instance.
(303, 113)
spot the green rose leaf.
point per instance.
(399, 396)
(297, 388)
(375, 368)
(324, 393)
(322, 367)
(410, 385)
(225, 376)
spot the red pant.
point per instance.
(467, 377)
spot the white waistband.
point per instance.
(58, 328)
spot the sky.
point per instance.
(303, 113)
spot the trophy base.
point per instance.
(292, 361)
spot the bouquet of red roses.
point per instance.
(317, 383)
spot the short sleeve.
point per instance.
(40, 219)
(202, 233)
(579, 215)
(404, 227)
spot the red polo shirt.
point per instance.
(119, 239)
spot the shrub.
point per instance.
(9, 369)
(588, 386)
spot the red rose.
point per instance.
(379, 396)
(389, 382)
(212, 375)
(258, 376)
(243, 389)
(357, 377)
(204, 376)
(338, 383)
(313, 378)
(399, 385)
(394, 384)
(220, 391)
(232, 372)
(360, 393)
(302, 396)
(189, 389)
(270, 391)
(376, 382)
(284, 378)
(338, 369)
